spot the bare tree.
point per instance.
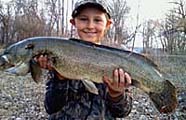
(117, 34)
(4, 23)
(27, 21)
(174, 29)
(148, 34)
(52, 14)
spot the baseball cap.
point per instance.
(100, 4)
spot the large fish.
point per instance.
(80, 60)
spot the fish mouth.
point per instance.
(5, 63)
(2, 61)
(166, 101)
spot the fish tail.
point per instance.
(165, 101)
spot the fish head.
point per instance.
(165, 101)
(4, 62)
(15, 55)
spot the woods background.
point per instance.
(21, 19)
(22, 99)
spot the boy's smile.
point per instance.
(90, 33)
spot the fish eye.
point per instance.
(29, 46)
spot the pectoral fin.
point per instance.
(90, 86)
(36, 71)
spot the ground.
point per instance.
(22, 99)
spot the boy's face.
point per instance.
(91, 24)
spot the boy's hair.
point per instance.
(99, 4)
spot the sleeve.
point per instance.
(120, 108)
(56, 93)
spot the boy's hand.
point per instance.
(121, 81)
(44, 62)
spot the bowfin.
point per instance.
(35, 71)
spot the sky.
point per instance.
(147, 9)
(153, 9)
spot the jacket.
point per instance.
(69, 100)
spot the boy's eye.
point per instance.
(83, 19)
(98, 20)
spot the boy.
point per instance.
(69, 99)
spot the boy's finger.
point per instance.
(121, 78)
(116, 77)
(128, 79)
(106, 80)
